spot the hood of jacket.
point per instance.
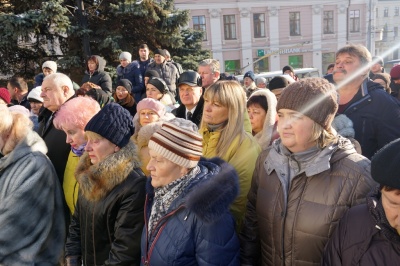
(96, 181)
(100, 67)
(31, 143)
(210, 193)
(265, 135)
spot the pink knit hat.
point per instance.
(5, 95)
(154, 105)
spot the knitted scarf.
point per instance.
(164, 196)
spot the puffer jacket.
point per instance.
(242, 156)
(32, 222)
(99, 76)
(108, 220)
(364, 237)
(198, 228)
(168, 73)
(132, 73)
(373, 129)
(293, 230)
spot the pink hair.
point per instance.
(77, 112)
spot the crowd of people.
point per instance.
(165, 166)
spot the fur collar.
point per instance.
(96, 181)
(210, 193)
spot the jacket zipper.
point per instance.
(146, 260)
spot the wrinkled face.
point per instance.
(257, 116)
(144, 54)
(35, 107)
(207, 76)
(247, 81)
(75, 135)
(162, 170)
(295, 130)
(124, 62)
(53, 97)
(391, 205)
(92, 65)
(147, 116)
(153, 92)
(376, 68)
(99, 149)
(47, 71)
(159, 59)
(214, 113)
(189, 95)
(345, 66)
(121, 92)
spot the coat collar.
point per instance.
(96, 181)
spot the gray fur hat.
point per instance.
(343, 126)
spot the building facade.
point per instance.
(267, 35)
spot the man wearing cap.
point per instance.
(48, 67)
(190, 93)
(369, 234)
(377, 67)
(18, 89)
(248, 83)
(131, 71)
(166, 70)
(374, 113)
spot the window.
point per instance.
(259, 25)
(396, 11)
(386, 12)
(354, 25)
(327, 59)
(199, 23)
(229, 27)
(328, 22)
(261, 66)
(232, 66)
(296, 61)
(294, 23)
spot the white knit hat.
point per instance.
(35, 94)
(50, 64)
(126, 55)
(178, 140)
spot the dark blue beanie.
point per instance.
(114, 123)
(249, 74)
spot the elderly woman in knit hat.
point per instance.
(111, 193)
(32, 230)
(261, 107)
(131, 71)
(369, 234)
(157, 89)
(303, 184)
(48, 67)
(187, 218)
(72, 118)
(123, 97)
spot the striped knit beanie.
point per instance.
(178, 140)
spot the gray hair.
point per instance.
(59, 80)
(212, 63)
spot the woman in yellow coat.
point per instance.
(224, 136)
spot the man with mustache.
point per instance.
(374, 113)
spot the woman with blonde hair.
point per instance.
(303, 184)
(222, 128)
(32, 220)
(72, 119)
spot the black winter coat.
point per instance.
(362, 238)
(197, 115)
(108, 220)
(99, 77)
(375, 116)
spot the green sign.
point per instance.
(260, 52)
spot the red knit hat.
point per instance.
(395, 72)
(5, 95)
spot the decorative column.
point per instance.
(274, 37)
(342, 25)
(216, 36)
(317, 22)
(246, 40)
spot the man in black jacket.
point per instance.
(190, 93)
(374, 113)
